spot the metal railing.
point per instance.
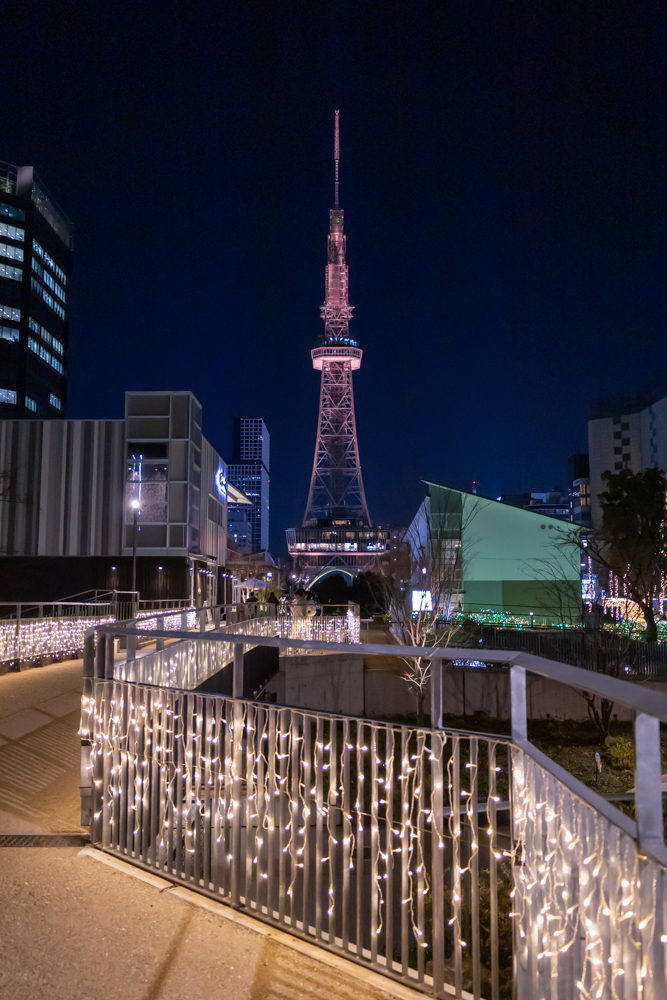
(461, 863)
(589, 649)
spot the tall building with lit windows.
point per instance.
(35, 273)
(249, 472)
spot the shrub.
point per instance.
(621, 752)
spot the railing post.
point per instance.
(89, 655)
(518, 702)
(100, 656)
(159, 642)
(436, 694)
(131, 647)
(202, 620)
(237, 683)
(184, 621)
(216, 618)
(648, 789)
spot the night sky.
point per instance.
(505, 193)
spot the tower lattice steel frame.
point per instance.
(337, 533)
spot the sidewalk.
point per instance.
(74, 928)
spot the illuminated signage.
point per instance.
(221, 483)
(422, 600)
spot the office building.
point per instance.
(35, 288)
(552, 503)
(626, 434)
(67, 521)
(249, 472)
(580, 489)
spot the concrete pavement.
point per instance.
(72, 928)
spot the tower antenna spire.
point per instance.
(336, 157)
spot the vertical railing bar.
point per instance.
(493, 875)
(437, 861)
(271, 818)
(179, 760)
(307, 819)
(260, 806)
(125, 831)
(115, 827)
(237, 744)
(389, 753)
(153, 774)
(283, 840)
(419, 859)
(347, 832)
(294, 778)
(107, 764)
(250, 799)
(455, 815)
(217, 827)
(197, 753)
(208, 708)
(359, 845)
(319, 803)
(405, 854)
(474, 870)
(227, 813)
(332, 822)
(374, 894)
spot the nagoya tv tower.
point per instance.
(337, 534)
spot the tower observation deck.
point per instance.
(337, 535)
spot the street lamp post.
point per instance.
(135, 509)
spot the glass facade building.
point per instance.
(249, 472)
(35, 288)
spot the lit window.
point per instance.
(37, 267)
(14, 253)
(12, 232)
(12, 211)
(48, 280)
(42, 332)
(50, 301)
(30, 404)
(54, 401)
(58, 271)
(15, 273)
(7, 396)
(9, 333)
(9, 312)
(45, 355)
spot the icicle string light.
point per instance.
(341, 829)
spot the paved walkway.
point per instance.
(40, 751)
(71, 927)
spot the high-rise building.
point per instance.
(35, 272)
(249, 472)
(626, 434)
(337, 535)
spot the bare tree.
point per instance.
(599, 649)
(425, 589)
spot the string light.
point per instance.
(319, 795)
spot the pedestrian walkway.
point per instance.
(40, 751)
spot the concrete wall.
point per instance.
(325, 683)
(341, 684)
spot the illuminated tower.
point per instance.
(337, 535)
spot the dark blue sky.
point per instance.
(504, 184)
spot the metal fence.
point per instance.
(370, 839)
(589, 649)
(461, 863)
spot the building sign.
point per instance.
(221, 483)
(422, 600)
